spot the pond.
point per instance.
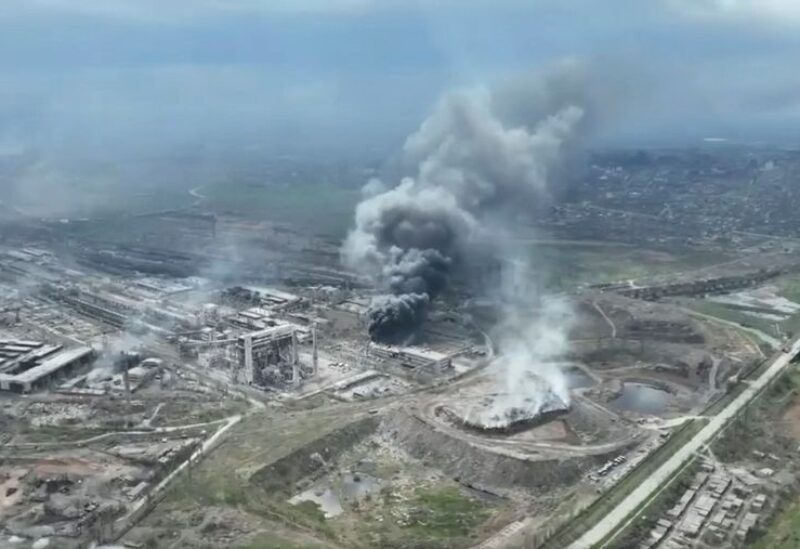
(326, 498)
(642, 398)
(330, 494)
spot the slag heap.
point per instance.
(500, 413)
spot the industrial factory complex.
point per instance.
(151, 398)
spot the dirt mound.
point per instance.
(312, 458)
(479, 466)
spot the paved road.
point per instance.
(619, 515)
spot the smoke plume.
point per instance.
(480, 155)
(530, 340)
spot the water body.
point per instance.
(643, 399)
(329, 495)
(326, 498)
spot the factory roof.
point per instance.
(53, 364)
(273, 293)
(429, 354)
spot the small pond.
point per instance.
(643, 399)
(330, 493)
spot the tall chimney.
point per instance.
(295, 360)
(314, 356)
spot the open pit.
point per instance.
(643, 398)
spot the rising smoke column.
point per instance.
(478, 154)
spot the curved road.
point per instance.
(520, 449)
(766, 338)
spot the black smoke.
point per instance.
(393, 318)
(415, 277)
(479, 157)
(411, 244)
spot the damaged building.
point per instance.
(26, 366)
(269, 358)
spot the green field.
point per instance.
(330, 209)
(316, 208)
(87, 199)
(567, 264)
(444, 514)
(784, 533)
(720, 310)
(789, 287)
(433, 514)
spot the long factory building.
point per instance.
(27, 366)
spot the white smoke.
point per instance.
(531, 341)
(111, 349)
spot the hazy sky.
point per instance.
(119, 74)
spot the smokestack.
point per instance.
(314, 358)
(248, 357)
(295, 360)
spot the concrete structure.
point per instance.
(414, 359)
(36, 365)
(713, 511)
(269, 357)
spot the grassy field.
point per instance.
(719, 310)
(441, 517)
(107, 199)
(784, 532)
(569, 264)
(789, 287)
(316, 208)
(329, 209)
(273, 541)
(433, 514)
